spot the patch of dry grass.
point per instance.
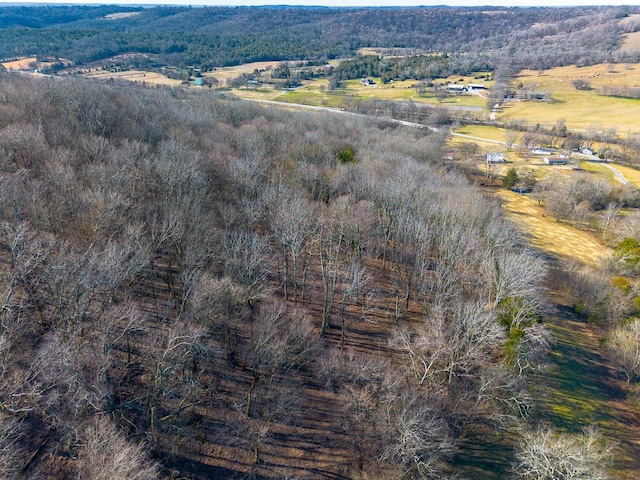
(559, 239)
(22, 64)
(223, 74)
(136, 76)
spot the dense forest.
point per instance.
(199, 287)
(213, 37)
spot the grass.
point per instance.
(136, 76)
(599, 169)
(484, 131)
(579, 389)
(630, 174)
(222, 74)
(21, 64)
(555, 238)
(579, 108)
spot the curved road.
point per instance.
(618, 174)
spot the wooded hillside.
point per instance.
(213, 37)
(198, 287)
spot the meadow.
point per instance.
(580, 109)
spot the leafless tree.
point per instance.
(11, 455)
(106, 454)
(358, 289)
(292, 223)
(545, 454)
(175, 367)
(418, 438)
(449, 346)
(608, 218)
(624, 344)
(247, 262)
(281, 341)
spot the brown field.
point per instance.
(225, 73)
(556, 238)
(136, 76)
(631, 41)
(22, 64)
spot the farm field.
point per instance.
(222, 74)
(630, 174)
(556, 238)
(315, 92)
(21, 64)
(136, 76)
(580, 109)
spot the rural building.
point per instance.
(495, 158)
(588, 151)
(456, 88)
(555, 161)
(366, 82)
(477, 86)
(540, 151)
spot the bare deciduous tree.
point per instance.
(624, 344)
(10, 452)
(105, 454)
(544, 454)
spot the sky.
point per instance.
(347, 3)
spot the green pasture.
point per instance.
(600, 170)
(484, 131)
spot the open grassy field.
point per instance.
(316, 92)
(222, 74)
(136, 76)
(21, 64)
(557, 239)
(579, 108)
(600, 170)
(630, 174)
(484, 131)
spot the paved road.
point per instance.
(618, 174)
(298, 106)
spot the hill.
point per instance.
(212, 37)
(198, 287)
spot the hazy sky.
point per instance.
(347, 3)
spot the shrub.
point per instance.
(347, 155)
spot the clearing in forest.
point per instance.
(556, 238)
(136, 76)
(22, 64)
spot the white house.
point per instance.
(540, 151)
(495, 158)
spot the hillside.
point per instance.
(198, 287)
(214, 37)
